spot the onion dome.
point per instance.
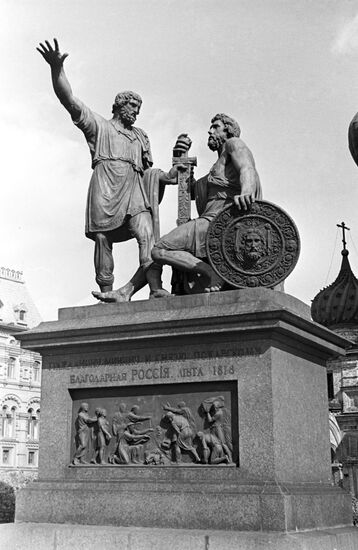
(336, 306)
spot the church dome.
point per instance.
(337, 305)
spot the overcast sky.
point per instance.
(286, 70)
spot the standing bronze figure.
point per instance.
(124, 192)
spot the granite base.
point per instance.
(194, 500)
(257, 348)
(27, 536)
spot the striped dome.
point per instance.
(337, 304)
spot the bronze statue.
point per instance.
(233, 179)
(124, 191)
(82, 426)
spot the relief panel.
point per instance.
(171, 425)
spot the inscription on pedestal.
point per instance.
(155, 373)
(156, 425)
(108, 359)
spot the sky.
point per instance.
(286, 70)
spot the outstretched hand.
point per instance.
(53, 56)
(171, 177)
(243, 202)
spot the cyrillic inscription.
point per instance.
(118, 360)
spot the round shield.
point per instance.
(255, 247)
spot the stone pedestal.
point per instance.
(256, 349)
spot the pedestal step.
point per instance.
(46, 536)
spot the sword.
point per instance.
(179, 280)
(180, 156)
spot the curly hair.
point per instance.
(123, 97)
(231, 127)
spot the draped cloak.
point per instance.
(212, 193)
(122, 183)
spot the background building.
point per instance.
(20, 379)
(336, 307)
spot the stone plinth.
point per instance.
(45, 536)
(256, 349)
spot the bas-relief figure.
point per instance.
(175, 435)
(181, 409)
(180, 431)
(217, 444)
(124, 191)
(101, 435)
(130, 438)
(82, 427)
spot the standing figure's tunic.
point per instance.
(119, 159)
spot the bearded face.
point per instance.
(129, 111)
(253, 246)
(217, 135)
(215, 142)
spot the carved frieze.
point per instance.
(169, 428)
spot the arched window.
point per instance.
(6, 457)
(20, 313)
(3, 420)
(8, 421)
(36, 371)
(31, 458)
(33, 424)
(11, 367)
(37, 425)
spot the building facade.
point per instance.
(20, 378)
(336, 307)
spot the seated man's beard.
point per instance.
(214, 142)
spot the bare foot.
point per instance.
(112, 296)
(214, 282)
(159, 293)
(212, 289)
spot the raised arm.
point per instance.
(243, 163)
(60, 83)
